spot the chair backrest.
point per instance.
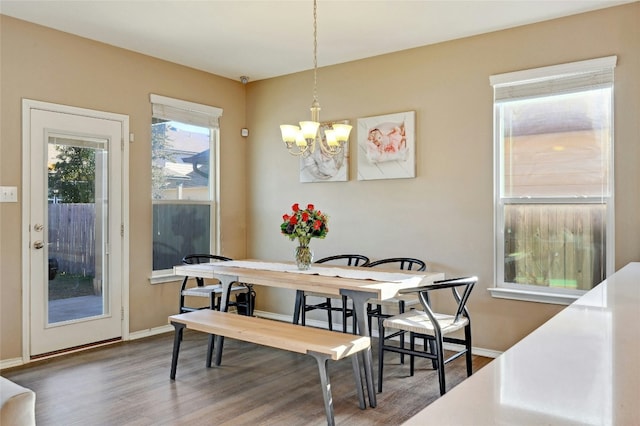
(405, 263)
(350, 259)
(193, 259)
(465, 284)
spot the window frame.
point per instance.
(532, 293)
(203, 116)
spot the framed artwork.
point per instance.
(320, 167)
(386, 146)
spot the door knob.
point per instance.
(38, 244)
(38, 227)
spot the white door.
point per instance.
(73, 210)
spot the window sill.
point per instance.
(531, 296)
(162, 279)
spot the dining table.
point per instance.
(357, 283)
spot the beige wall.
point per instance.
(444, 215)
(51, 66)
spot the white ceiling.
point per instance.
(268, 38)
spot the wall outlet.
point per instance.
(8, 194)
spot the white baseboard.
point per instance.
(150, 332)
(9, 363)
(489, 353)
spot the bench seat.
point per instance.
(323, 345)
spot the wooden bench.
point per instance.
(323, 345)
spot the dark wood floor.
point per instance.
(128, 383)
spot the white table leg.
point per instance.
(359, 299)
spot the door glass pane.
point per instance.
(77, 218)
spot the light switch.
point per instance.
(8, 194)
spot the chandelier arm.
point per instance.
(296, 150)
(330, 151)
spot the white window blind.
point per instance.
(556, 79)
(185, 111)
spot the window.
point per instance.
(553, 142)
(184, 137)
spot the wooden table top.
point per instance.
(383, 283)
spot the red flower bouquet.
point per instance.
(304, 224)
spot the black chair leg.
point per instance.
(467, 338)
(212, 301)
(380, 352)
(297, 307)
(250, 307)
(303, 310)
(440, 356)
(329, 314)
(432, 350)
(354, 323)
(344, 314)
(245, 307)
(412, 347)
(401, 311)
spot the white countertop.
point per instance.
(580, 367)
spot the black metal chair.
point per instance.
(301, 297)
(404, 263)
(432, 327)
(245, 295)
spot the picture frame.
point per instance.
(320, 167)
(386, 146)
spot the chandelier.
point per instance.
(302, 140)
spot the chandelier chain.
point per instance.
(315, 50)
(305, 139)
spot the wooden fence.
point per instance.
(555, 245)
(72, 238)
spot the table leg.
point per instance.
(227, 282)
(179, 328)
(210, 345)
(359, 299)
